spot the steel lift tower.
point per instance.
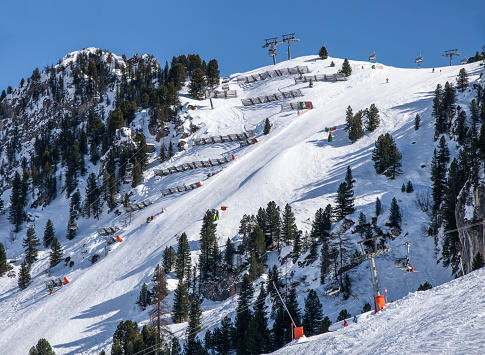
(288, 39)
(272, 43)
(450, 53)
(371, 255)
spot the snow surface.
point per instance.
(293, 164)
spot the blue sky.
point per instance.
(37, 33)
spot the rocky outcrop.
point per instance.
(470, 220)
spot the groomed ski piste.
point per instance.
(293, 164)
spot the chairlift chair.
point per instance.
(464, 61)
(419, 58)
(373, 56)
(403, 263)
(333, 289)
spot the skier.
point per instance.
(355, 319)
(51, 290)
(410, 268)
(345, 323)
(433, 70)
(387, 80)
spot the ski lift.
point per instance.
(403, 263)
(419, 58)
(373, 56)
(72, 225)
(464, 61)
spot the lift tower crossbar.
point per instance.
(272, 43)
(450, 53)
(288, 39)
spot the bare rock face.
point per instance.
(470, 234)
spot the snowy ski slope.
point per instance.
(293, 164)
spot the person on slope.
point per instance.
(355, 319)
(410, 268)
(345, 323)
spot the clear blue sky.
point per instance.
(36, 33)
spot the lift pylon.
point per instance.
(272, 43)
(450, 53)
(290, 38)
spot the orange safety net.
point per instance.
(299, 333)
(66, 280)
(381, 303)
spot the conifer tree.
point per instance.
(273, 224)
(183, 258)
(143, 297)
(386, 156)
(49, 233)
(461, 126)
(324, 325)
(223, 337)
(257, 246)
(213, 73)
(195, 315)
(462, 80)
(56, 253)
(288, 225)
(209, 250)
(229, 254)
(93, 202)
(3, 260)
(478, 261)
(344, 202)
(344, 314)
(323, 53)
(298, 245)
(169, 259)
(30, 243)
(313, 315)
(355, 128)
(322, 224)
(43, 347)
(440, 159)
(158, 303)
(258, 336)
(180, 307)
(267, 127)
(348, 118)
(395, 216)
(170, 149)
(17, 213)
(163, 154)
(24, 275)
(378, 207)
(373, 120)
(324, 262)
(346, 69)
(243, 316)
(417, 122)
(197, 84)
(332, 64)
(403, 188)
(409, 187)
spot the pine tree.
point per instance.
(462, 80)
(322, 224)
(332, 64)
(267, 127)
(313, 315)
(386, 156)
(346, 69)
(209, 250)
(43, 347)
(257, 247)
(195, 315)
(344, 202)
(24, 275)
(30, 243)
(93, 202)
(243, 316)
(169, 259)
(258, 336)
(229, 254)
(395, 216)
(17, 213)
(288, 225)
(142, 300)
(417, 122)
(223, 337)
(183, 258)
(355, 128)
(56, 253)
(478, 261)
(163, 154)
(324, 325)
(323, 54)
(348, 118)
(158, 303)
(170, 149)
(3, 260)
(440, 159)
(180, 307)
(293, 307)
(409, 187)
(373, 120)
(49, 233)
(403, 188)
(344, 314)
(213, 73)
(197, 84)
(273, 224)
(461, 126)
(378, 207)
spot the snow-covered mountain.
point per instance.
(295, 164)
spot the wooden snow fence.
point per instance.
(138, 206)
(193, 165)
(273, 74)
(177, 189)
(321, 77)
(223, 139)
(272, 97)
(108, 230)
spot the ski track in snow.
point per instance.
(293, 164)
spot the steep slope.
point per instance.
(293, 164)
(447, 319)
